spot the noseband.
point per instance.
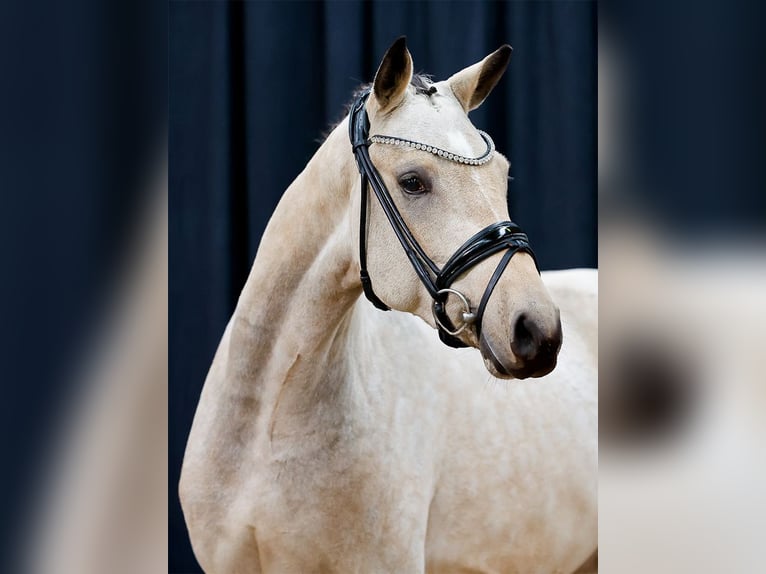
(500, 236)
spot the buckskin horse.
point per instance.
(331, 436)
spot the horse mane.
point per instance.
(421, 82)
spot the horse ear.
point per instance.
(473, 84)
(393, 75)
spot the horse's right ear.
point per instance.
(393, 75)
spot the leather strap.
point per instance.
(363, 273)
(358, 131)
(495, 278)
(487, 242)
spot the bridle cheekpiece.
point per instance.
(501, 236)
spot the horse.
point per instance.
(331, 436)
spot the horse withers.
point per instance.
(333, 437)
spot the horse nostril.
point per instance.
(526, 337)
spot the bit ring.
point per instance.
(467, 315)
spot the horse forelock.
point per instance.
(423, 84)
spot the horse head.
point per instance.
(448, 184)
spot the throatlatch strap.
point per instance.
(363, 274)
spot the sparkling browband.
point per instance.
(481, 160)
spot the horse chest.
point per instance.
(340, 494)
(465, 472)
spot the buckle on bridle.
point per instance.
(467, 316)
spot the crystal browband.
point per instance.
(481, 160)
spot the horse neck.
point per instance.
(305, 277)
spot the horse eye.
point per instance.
(412, 185)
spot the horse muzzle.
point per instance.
(535, 343)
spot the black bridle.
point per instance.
(500, 236)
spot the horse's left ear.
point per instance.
(473, 84)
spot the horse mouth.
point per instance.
(527, 372)
(496, 367)
(491, 361)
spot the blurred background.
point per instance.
(255, 85)
(682, 287)
(83, 287)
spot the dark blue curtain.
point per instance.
(254, 85)
(82, 123)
